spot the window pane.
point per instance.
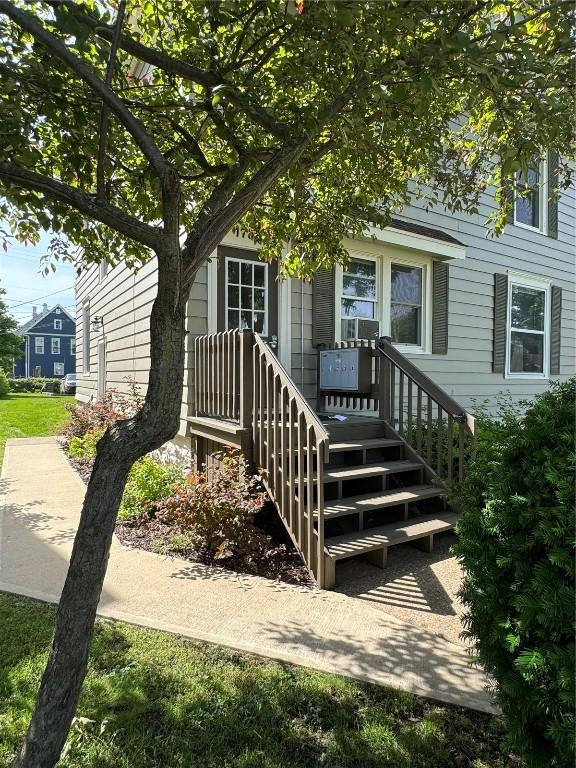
(528, 204)
(233, 272)
(259, 322)
(405, 324)
(246, 321)
(354, 308)
(233, 317)
(361, 268)
(259, 274)
(233, 295)
(527, 353)
(527, 309)
(259, 298)
(358, 286)
(406, 287)
(246, 298)
(246, 273)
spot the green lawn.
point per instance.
(153, 700)
(31, 415)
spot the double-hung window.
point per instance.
(58, 369)
(39, 345)
(72, 346)
(55, 346)
(528, 323)
(530, 199)
(359, 295)
(57, 325)
(406, 304)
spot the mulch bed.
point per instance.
(276, 556)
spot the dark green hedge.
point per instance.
(516, 544)
(33, 384)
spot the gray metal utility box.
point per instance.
(346, 370)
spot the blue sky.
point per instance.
(20, 277)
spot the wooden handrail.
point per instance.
(287, 382)
(448, 404)
(290, 446)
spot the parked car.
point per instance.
(69, 384)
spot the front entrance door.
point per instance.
(247, 293)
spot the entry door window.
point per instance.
(246, 295)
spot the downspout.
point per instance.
(302, 335)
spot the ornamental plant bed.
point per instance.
(246, 538)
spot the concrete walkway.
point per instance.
(40, 500)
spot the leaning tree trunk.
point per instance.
(120, 446)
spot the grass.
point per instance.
(31, 415)
(154, 700)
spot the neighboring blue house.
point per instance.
(49, 344)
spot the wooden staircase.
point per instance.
(375, 497)
(342, 488)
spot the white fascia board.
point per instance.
(417, 242)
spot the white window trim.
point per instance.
(266, 308)
(86, 338)
(57, 373)
(383, 298)
(73, 347)
(542, 201)
(36, 340)
(57, 325)
(52, 342)
(541, 284)
(102, 271)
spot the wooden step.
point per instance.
(384, 536)
(338, 474)
(371, 442)
(371, 502)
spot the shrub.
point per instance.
(4, 385)
(99, 414)
(216, 514)
(34, 384)
(149, 481)
(84, 447)
(516, 539)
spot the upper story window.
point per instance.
(528, 328)
(406, 304)
(57, 310)
(39, 345)
(530, 200)
(57, 325)
(55, 346)
(72, 346)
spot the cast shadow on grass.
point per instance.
(159, 701)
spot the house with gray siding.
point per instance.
(463, 316)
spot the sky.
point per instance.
(25, 286)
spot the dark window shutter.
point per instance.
(500, 315)
(324, 308)
(555, 329)
(552, 201)
(440, 288)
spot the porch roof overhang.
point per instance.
(409, 234)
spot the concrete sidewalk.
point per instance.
(40, 500)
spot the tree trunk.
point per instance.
(121, 445)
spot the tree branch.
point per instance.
(136, 129)
(103, 133)
(113, 217)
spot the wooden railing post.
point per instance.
(384, 386)
(246, 379)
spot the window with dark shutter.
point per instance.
(552, 228)
(440, 290)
